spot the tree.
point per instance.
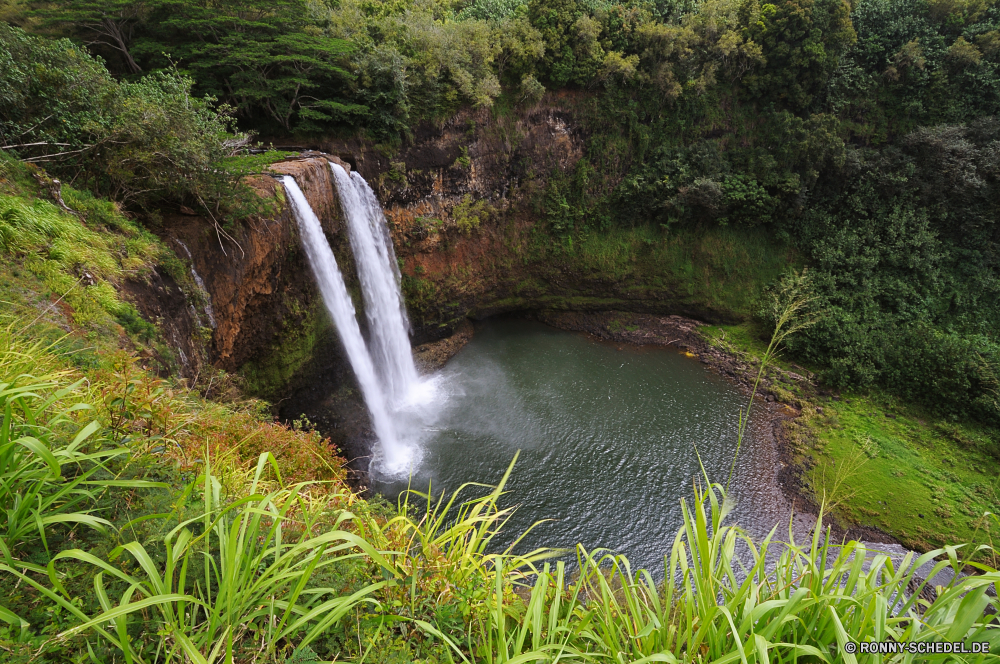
(261, 56)
(450, 63)
(139, 143)
(521, 47)
(802, 41)
(692, 54)
(163, 143)
(54, 97)
(555, 20)
(100, 24)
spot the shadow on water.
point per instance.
(607, 435)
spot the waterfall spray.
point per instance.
(397, 457)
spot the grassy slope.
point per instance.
(882, 463)
(59, 278)
(169, 431)
(62, 320)
(922, 479)
(58, 266)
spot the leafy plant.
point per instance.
(469, 215)
(729, 598)
(457, 541)
(257, 556)
(51, 464)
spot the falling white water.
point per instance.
(379, 275)
(201, 286)
(396, 456)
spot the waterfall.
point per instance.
(379, 275)
(201, 286)
(397, 456)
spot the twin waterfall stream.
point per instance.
(394, 394)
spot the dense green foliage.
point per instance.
(852, 163)
(257, 55)
(906, 261)
(141, 143)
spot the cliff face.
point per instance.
(253, 307)
(458, 198)
(258, 277)
(466, 202)
(258, 298)
(473, 153)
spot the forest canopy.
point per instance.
(310, 65)
(886, 66)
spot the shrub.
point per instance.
(950, 373)
(469, 215)
(139, 143)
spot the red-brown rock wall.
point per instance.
(256, 272)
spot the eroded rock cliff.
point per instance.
(466, 203)
(470, 203)
(259, 306)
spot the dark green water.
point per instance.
(607, 434)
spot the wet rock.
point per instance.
(432, 356)
(160, 299)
